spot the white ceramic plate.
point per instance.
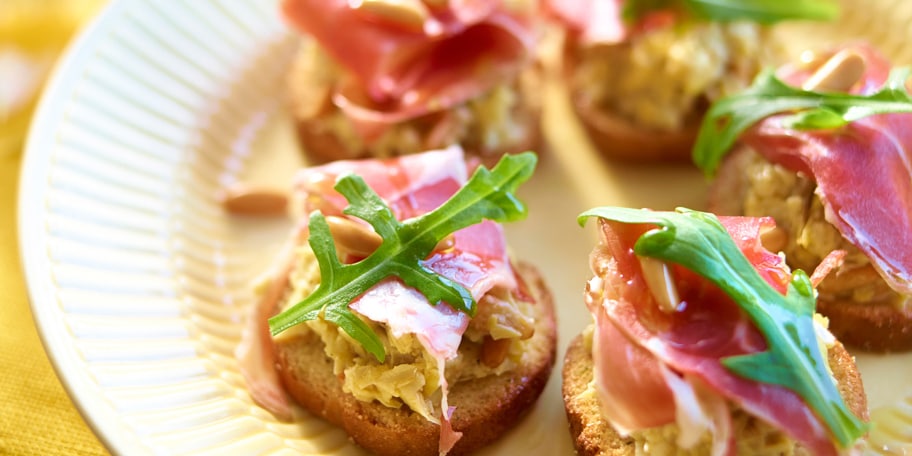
(139, 281)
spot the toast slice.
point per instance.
(485, 407)
(593, 435)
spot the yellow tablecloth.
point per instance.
(37, 416)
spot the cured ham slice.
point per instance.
(255, 353)
(863, 173)
(601, 21)
(399, 72)
(633, 393)
(688, 342)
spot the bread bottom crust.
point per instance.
(485, 407)
(593, 434)
(876, 326)
(618, 139)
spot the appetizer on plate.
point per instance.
(401, 317)
(704, 342)
(378, 78)
(825, 149)
(640, 74)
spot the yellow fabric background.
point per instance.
(37, 416)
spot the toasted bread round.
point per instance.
(593, 435)
(878, 325)
(485, 407)
(326, 135)
(618, 138)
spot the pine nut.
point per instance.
(352, 236)
(839, 73)
(445, 244)
(658, 277)
(408, 13)
(254, 201)
(494, 351)
(774, 239)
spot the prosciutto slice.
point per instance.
(863, 173)
(601, 21)
(635, 339)
(398, 72)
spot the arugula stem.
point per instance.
(760, 11)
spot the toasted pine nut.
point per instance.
(254, 201)
(494, 351)
(658, 278)
(839, 73)
(354, 237)
(446, 243)
(774, 239)
(502, 318)
(409, 13)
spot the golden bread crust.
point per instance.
(879, 326)
(593, 435)
(485, 407)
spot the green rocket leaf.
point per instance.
(699, 242)
(489, 194)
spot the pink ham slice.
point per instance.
(863, 173)
(689, 342)
(601, 21)
(463, 50)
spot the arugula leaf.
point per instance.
(699, 242)
(760, 11)
(729, 117)
(487, 195)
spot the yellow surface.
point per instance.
(36, 415)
